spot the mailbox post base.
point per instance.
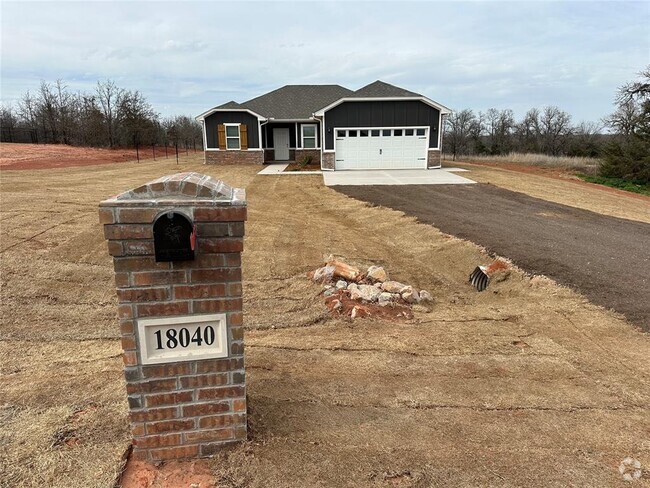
(181, 321)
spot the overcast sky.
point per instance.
(186, 57)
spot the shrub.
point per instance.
(305, 161)
(629, 160)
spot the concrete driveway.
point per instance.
(441, 176)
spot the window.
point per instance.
(363, 133)
(308, 136)
(420, 132)
(408, 132)
(385, 133)
(397, 132)
(374, 133)
(352, 133)
(232, 136)
(340, 133)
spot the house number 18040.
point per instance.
(182, 337)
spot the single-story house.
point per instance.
(379, 126)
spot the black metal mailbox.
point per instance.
(174, 237)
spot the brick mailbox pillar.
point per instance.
(176, 244)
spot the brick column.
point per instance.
(183, 408)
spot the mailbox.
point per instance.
(180, 312)
(174, 237)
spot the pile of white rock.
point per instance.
(373, 286)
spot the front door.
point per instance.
(281, 144)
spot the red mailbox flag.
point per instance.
(193, 238)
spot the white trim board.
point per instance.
(207, 113)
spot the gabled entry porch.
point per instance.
(291, 141)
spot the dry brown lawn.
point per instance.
(526, 384)
(562, 187)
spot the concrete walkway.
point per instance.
(441, 176)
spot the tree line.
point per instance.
(624, 150)
(497, 132)
(108, 116)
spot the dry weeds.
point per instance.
(526, 384)
(583, 164)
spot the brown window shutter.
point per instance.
(221, 136)
(243, 134)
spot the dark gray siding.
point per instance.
(217, 118)
(382, 114)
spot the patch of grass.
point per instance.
(620, 183)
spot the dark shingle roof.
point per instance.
(230, 104)
(299, 102)
(296, 101)
(382, 89)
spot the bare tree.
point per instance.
(624, 118)
(65, 106)
(27, 109)
(8, 122)
(628, 156)
(527, 132)
(459, 128)
(109, 116)
(499, 125)
(48, 111)
(554, 129)
(109, 96)
(136, 118)
(637, 90)
(586, 140)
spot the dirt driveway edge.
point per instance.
(605, 258)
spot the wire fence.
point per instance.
(19, 135)
(168, 148)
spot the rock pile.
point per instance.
(349, 291)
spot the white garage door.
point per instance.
(394, 148)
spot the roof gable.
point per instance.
(295, 101)
(231, 104)
(380, 89)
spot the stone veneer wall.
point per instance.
(328, 160)
(314, 153)
(433, 159)
(234, 157)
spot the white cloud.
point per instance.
(188, 56)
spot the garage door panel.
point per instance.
(386, 149)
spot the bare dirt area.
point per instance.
(302, 167)
(526, 384)
(560, 186)
(14, 156)
(577, 248)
